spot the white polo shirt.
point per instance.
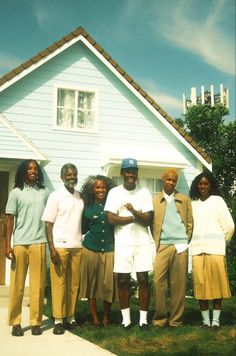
(64, 210)
(132, 234)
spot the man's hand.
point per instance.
(55, 257)
(129, 207)
(9, 253)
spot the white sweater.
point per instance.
(213, 225)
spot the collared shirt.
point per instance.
(169, 197)
(100, 234)
(64, 210)
(183, 205)
(27, 206)
(180, 247)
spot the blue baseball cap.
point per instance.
(129, 163)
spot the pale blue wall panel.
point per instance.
(28, 104)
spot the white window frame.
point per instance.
(93, 129)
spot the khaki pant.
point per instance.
(34, 257)
(65, 282)
(170, 270)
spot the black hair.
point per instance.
(87, 188)
(21, 174)
(65, 168)
(194, 191)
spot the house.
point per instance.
(73, 103)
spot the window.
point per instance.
(75, 109)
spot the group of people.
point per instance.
(97, 238)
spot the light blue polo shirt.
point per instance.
(27, 206)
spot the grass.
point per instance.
(189, 339)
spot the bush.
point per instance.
(231, 250)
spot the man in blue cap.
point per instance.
(129, 208)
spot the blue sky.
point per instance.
(167, 46)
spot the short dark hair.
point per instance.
(21, 174)
(194, 191)
(67, 166)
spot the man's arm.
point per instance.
(115, 219)
(55, 257)
(144, 219)
(9, 253)
(141, 218)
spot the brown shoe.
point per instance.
(58, 329)
(106, 323)
(96, 324)
(17, 330)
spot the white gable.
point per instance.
(21, 147)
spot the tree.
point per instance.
(206, 125)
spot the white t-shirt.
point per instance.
(132, 234)
(213, 225)
(64, 210)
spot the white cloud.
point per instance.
(200, 32)
(166, 101)
(46, 12)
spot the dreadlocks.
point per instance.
(21, 175)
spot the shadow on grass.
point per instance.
(187, 340)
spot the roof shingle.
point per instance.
(81, 31)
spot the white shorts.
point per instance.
(129, 259)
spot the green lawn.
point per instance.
(189, 339)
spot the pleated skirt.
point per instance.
(97, 279)
(210, 277)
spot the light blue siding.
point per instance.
(28, 104)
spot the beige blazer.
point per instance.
(183, 205)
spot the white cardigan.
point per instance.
(213, 225)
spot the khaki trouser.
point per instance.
(34, 257)
(65, 282)
(170, 270)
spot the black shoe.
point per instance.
(17, 330)
(58, 329)
(143, 327)
(72, 326)
(205, 326)
(36, 330)
(126, 327)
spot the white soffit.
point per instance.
(147, 157)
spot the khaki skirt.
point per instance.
(210, 277)
(97, 279)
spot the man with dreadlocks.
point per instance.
(24, 210)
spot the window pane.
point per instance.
(65, 117)
(86, 100)
(85, 119)
(66, 98)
